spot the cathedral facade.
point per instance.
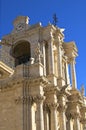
(38, 87)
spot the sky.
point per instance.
(71, 15)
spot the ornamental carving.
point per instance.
(24, 100)
(35, 92)
(62, 108)
(52, 105)
(38, 54)
(73, 115)
(38, 99)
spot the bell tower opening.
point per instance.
(21, 52)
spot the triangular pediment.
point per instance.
(5, 71)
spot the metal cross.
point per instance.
(55, 20)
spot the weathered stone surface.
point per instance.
(35, 90)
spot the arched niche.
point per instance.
(21, 51)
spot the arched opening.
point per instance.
(21, 52)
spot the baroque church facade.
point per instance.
(38, 87)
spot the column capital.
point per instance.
(62, 108)
(38, 99)
(75, 115)
(68, 115)
(83, 121)
(72, 60)
(52, 106)
(45, 107)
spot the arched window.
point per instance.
(21, 52)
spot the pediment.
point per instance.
(5, 71)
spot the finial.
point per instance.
(55, 20)
(82, 90)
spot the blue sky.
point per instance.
(71, 16)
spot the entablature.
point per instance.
(13, 82)
(70, 49)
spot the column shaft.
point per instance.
(44, 59)
(51, 57)
(62, 121)
(39, 116)
(73, 74)
(59, 61)
(62, 109)
(76, 124)
(54, 121)
(69, 124)
(29, 127)
(67, 74)
(46, 120)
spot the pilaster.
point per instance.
(44, 57)
(39, 115)
(54, 121)
(25, 102)
(69, 123)
(51, 101)
(51, 55)
(59, 51)
(46, 117)
(62, 110)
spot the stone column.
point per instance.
(44, 58)
(69, 123)
(46, 118)
(39, 113)
(62, 118)
(73, 73)
(61, 110)
(76, 122)
(54, 121)
(67, 74)
(83, 124)
(51, 56)
(29, 126)
(60, 81)
(59, 60)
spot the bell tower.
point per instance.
(20, 23)
(36, 93)
(21, 49)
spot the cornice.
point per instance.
(13, 82)
(6, 68)
(70, 49)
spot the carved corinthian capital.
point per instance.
(53, 105)
(38, 99)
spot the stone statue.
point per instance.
(38, 54)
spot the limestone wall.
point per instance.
(6, 57)
(10, 111)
